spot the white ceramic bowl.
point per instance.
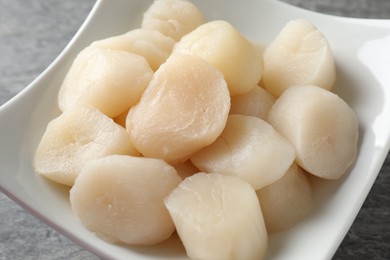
(362, 55)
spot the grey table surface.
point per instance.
(33, 33)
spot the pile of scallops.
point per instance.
(186, 125)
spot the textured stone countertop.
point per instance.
(33, 33)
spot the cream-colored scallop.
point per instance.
(321, 126)
(174, 18)
(80, 134)
(287, 201)
(110, 80)
(121, 199)
(248, 148)
(256, 102)
(223, 46)
(218, 217)
(184, 109)
(154, 46)
(299, 55)
(185, 169)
